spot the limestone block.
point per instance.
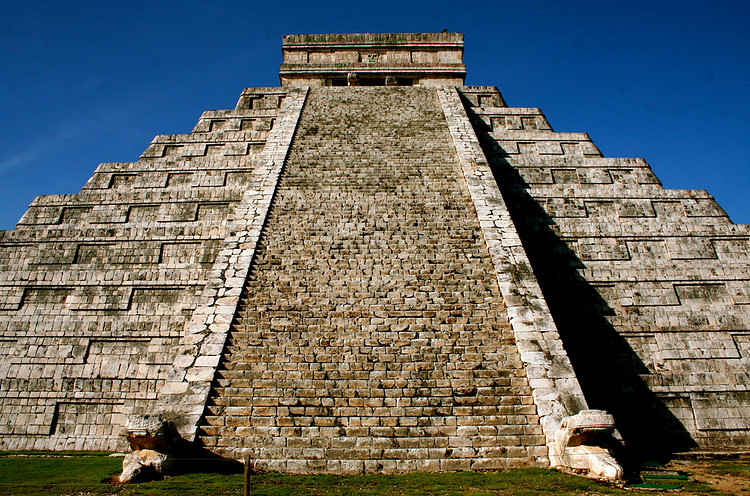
(721, 410)
(602, 249)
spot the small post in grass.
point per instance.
(247, 475)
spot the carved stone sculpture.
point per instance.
(148, 432)
(144, 465)
(582, 443)
(152, 439)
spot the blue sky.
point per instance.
(90, 82)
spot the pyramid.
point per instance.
(375, 268)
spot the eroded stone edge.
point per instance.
(183, 397)
(553, 382)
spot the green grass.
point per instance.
(92, 474)
(53, 475)
(734, 467)
(42, 474)
(519, 482)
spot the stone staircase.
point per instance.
(371, 335)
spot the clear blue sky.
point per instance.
(90, 82)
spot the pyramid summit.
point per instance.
(375, 268)
(419, 59)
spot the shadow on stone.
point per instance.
(200, 460)
(158, 451)
(608, 369)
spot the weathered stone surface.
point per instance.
(555, 388)
(149, 432)
(386, 279)
(373, 59)
(185, 392)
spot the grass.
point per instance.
(519, 482)
(55, 475)
(92, 474)
(739, 468)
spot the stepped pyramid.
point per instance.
(375, 268)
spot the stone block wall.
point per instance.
(96, 288)
(648, 286)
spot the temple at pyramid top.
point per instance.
(373, 59)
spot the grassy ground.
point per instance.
(92, 475)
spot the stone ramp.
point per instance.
(371, 335)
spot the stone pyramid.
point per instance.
(374, 268)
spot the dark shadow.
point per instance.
(200, 460)
(189, 457)
(608, 369)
